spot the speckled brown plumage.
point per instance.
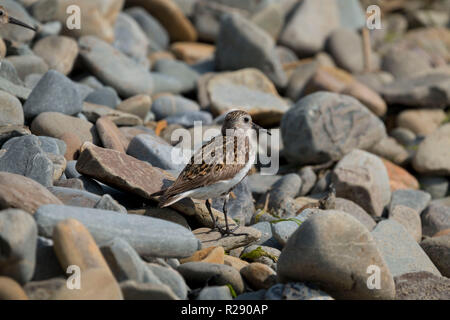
(219, 161)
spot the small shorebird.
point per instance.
(217, 167)
(5, 19)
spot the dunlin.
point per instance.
(218, 166)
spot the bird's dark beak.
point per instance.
(256, 127)
(20, 23)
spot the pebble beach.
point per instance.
(356, 205)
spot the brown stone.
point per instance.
(235, 262)
(109, 134)
(438, 249)
(94, 111)
(422, 286)
(442, 233)
(138, 105)
(73, 183)
(170, 16)
(11, 290)
(59, 52)
(421, 121)
(155, 56)
(74, 245)
(73, 145)
(121, 171)
(55, 124)
(20, 192)
(211, 255)
(129, 133)
(259, 276)
(399, 178)
(339, 81)
(368, 97)
(2, 49)
(96, 284)
(192, 52)
(210, 238)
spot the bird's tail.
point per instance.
(165, 198)
(162, 197)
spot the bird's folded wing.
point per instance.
(209, 165)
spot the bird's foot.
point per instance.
(226, 232)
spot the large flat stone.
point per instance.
(148, 236)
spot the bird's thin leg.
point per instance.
(227, 228)
(227, 231)
(208, 206)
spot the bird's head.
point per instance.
(239, 120)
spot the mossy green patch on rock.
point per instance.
(257, 253)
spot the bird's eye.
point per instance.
(246, 119)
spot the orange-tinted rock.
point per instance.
(235, 262)
(73, 144)
(399, 178)
(339, 81)
(192, 52)
(170, 16)
(109, 134)
(74, 245)
(442, 233)
(11, 290)
(260, 276)
(211, 255)
(20, 192)
(160, 55)
(96, 284)
(2, 49)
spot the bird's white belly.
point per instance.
(221, 187)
